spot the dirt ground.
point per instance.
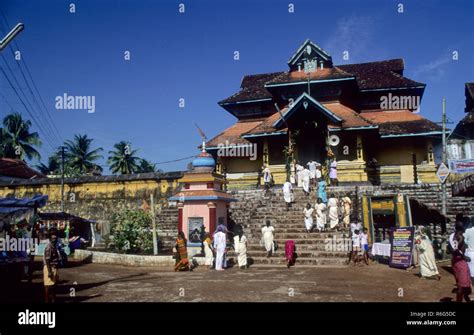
(112, 283)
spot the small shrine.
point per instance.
(202, 202)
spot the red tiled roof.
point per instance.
(232, 134)
(400, 122)
(16, 168)
(350, 117)
(319, 74)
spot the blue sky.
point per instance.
(190, 56)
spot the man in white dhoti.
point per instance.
(312, 171)
(426, 257)
(288, 194)
(308, 218)
(306, 181)
(299, 174)
(240, 246)
(346, 210)
(267, 178)
(469, 241)
(267, 237)
(320, 215)
(220, 247)
(293, 172)
(333, 212)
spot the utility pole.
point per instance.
(443, 158)
(62, 178)
(153, 220)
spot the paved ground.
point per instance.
(110, 283)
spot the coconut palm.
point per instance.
(53, 166)
(146, 166)
(80, 156)
(123, 160)
(16, 140)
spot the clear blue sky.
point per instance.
(190, 56)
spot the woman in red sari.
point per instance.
(459, 265)
(182, 262)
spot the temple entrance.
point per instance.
(311, 142)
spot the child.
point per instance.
(364, 242)
(356, 246)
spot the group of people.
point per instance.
(461, 248)
(304, 176)
(360, 244)
(328, 215)
(270, 245)
(215, 249)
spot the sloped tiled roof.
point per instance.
(232, 134)
(252, 88)
(400, 122)
(320, 74)
(16, 168)
(382, 74)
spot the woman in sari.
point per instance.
(428, 268)
(182, 262)
(459, 264)
(240, 247)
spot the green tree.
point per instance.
(80, 156)
(53, 166)
(16, 140)
(132, 231)
(123, 160)
(147, 166)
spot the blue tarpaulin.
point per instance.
(35, 202)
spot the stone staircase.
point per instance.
(254, 207)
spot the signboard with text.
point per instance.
(401, 250)
(461, 165)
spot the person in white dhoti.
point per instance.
(240, 246)
(426, 257)
(288, 194)
(320, 215)
(267, 238)
(346, 210)
(267, 178)
(306, 181)
(208, 253)
(293, 172)
(312, 171)
(308, 218)
(469, 241)
(220, 247)
(299, 174)
(333, 212)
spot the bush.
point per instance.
(132, 231)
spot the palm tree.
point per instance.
(53, 167)
(16, 141)
(79, 155)
(146, 166)
(123, 160)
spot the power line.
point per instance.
(49, 135)
(51, 123)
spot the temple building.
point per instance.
(365, 115)
(461, 139)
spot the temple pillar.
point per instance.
(180, 216)
(212, 216)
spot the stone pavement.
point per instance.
(113, 283)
